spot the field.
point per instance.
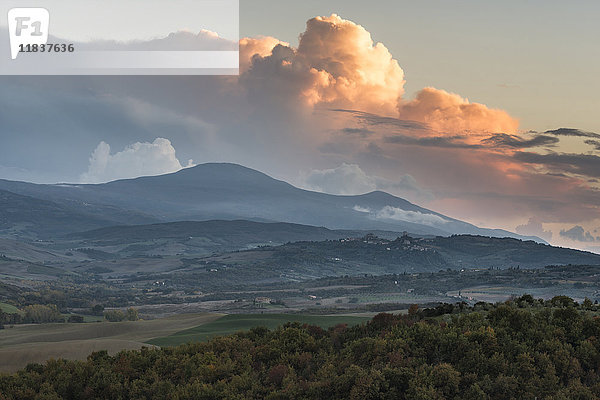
(24, 344)
(239, 322)
(502, 293)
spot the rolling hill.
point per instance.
(29, 217)
(232, 192)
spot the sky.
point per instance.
(486, 112)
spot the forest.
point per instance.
(523, 348)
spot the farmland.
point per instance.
(240, 322)
(25, 344)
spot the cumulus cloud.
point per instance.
(350, 179)
(261, 47)
(138, 159)
(449, 112)
(534, 227)
(578, 234)
(336, 64)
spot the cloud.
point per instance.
(350, 179)
(361, 209)
(357, 131)
(581, 164)
(449, 112)
(594, 143)
(378, 120)
(336, 64)
(517, 142)
(335, 99)
(572, 132)
(451, 142)
(261, 46)
(138, 159)
(398, 214)
(534, 227)
(345, 179)
(578, 234)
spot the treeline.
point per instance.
(118, 316)
(521, 349)
(33, 314)
(41, 314)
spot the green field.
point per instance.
(242, 322)
(8, 308)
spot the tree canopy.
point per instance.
(521, 349)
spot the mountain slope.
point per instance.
(240, 230)
(29, 217)
(203, 237)
(372, 255)
(230, 191)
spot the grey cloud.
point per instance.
(516, 142)
(376, 120)
(572, 132)
(578, 234)
(357, 131)
(534, 227)
(582, 164)
(594, 143)
(349, 179)
(452, 142)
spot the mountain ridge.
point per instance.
(231, 191)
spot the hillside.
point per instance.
(26, 252)
(372, 255)
(204, 237)
(230, 192)
(28, 217)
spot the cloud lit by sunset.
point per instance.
(475, 158)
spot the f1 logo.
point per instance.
(27, 26)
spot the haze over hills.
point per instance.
(292, 245)
(321, 251)
(230, 192)
(29, 217)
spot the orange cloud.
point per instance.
(260, 46)
(336, 64)
(449, 112)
